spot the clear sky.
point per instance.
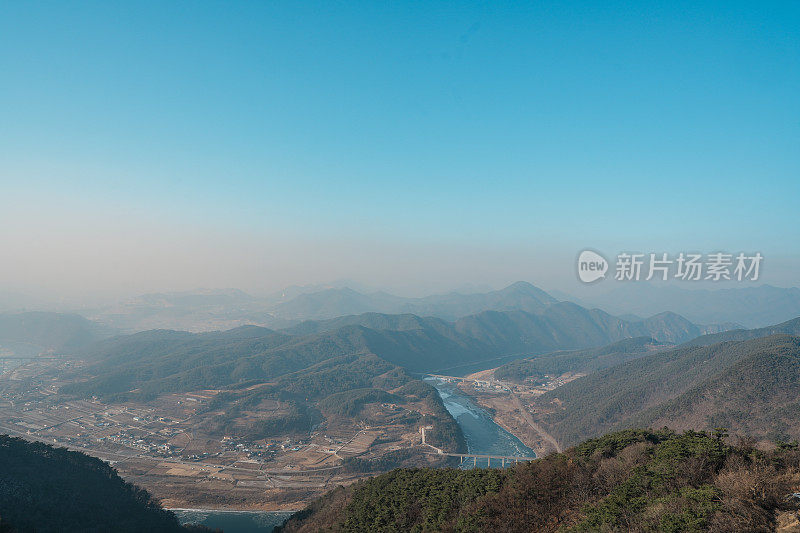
(155, 145)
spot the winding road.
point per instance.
(536, 427)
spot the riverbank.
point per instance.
(482, 434)
(233, 521)
(508, 411)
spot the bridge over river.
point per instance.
(503, 459)
(466, 457)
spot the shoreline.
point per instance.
(189, 509)
(542, 444)
(491, 417)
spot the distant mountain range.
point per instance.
(160, 361)
(33, 333)
(203, 310)
(520, 296)
(224, 309)
(518, 318)
(752, 307)
(221, 309)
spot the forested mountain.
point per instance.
(162, 361)
(351, 365)
(330, 303)
(628, 481)
(756, 396)
(158, 361)
(380, 321)
(47, 489)
(519, 296)
(790, 327)
(568, 326)
(751, 387)
(37, 332)
(300, 371)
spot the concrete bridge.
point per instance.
(465, 457)
(503, 459)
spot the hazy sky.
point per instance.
(157, 145)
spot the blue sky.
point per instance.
(358, 129)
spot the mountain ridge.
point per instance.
(753, 307)
(180, 359)
(662, 387)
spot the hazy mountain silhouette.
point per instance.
(752, 307)
(35, 332)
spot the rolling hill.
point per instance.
(162, 361)
(303, 370)
(305, 366)
(330, 303)
(299, 371)
(379, 321)
(790, 327)
(749, 387)
(757, 396)
(579, 361)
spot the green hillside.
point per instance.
(747, 386)
(588, 360)
(47, 489)
(756, 396)
(635, 480)
(155, 362)
(308, 373)
(379, 321)
(790, 327)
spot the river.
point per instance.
(483, 435)
(233, 521)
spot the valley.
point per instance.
(508, 404)
(165, 445)
(400, 267)
(270, 420)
